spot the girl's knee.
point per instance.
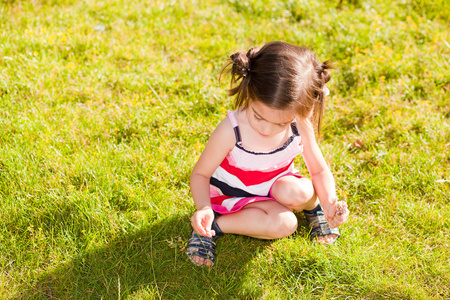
(293, 192)
(284, 226)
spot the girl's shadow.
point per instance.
(152, 263)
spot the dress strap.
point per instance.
(294, 128)
(235, 126)
(232, 117)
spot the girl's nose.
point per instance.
(265, 128)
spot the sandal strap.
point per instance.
(201, 246)
(216, 228)
(318, 223)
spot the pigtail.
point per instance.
(323, 77)
(241, 72)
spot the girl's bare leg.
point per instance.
(295, 193)
(298, 194)
(264, 220)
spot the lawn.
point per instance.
(106, 105)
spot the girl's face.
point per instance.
(268, 121)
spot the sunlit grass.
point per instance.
(106, 105)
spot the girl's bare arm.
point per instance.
(321, 176)
(221, 142)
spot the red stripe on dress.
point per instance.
(249, 178)
(219, 199)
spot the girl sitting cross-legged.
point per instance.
(245, 181)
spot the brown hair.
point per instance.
(282, 76)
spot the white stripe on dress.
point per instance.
(248, 161)
(230, 202)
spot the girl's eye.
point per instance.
(257, 118)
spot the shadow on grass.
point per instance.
(151, 264)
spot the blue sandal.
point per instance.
(319, 224)
(203, 246)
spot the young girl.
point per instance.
(245, 181)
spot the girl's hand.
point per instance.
(336, 213)
(202, 220)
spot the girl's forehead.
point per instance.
(272, 115)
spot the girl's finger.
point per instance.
(209, 232)
(197, 225)
(339, 219)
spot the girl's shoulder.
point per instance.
(225, 124)
(224, 133)
(240, 116)
(220, 143)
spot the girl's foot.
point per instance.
(201, 250)
(320, 231)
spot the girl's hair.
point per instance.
(282, 76)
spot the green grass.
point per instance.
(106, 105)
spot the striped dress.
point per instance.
(245, 176)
